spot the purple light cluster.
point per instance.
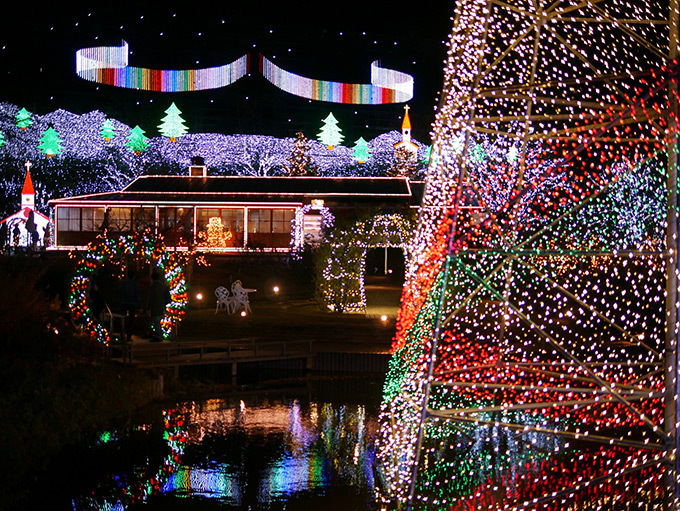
(90, 164)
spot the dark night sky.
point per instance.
(334, 41)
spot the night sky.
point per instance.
(327, 41)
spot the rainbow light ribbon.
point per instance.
(109, 65)
(387, 86)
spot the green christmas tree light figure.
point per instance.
(2, 139)
(330, 133)
(107, 131)
(172, 125)
(137, 141)
(50, 143)
(427, 155)
(361, 151)
(23, 118)
(299, 162)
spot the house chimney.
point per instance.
(197, 167)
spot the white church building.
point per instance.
(28, 226)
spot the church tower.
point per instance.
(406, 126)
(406, 142)
(27, 192)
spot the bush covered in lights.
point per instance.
(95, 156)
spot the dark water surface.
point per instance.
(309, 446)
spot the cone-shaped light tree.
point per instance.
(299, 162)
(107, 130)
(50, 143)
(361, 151)
(172, 125)
(137, 141)
(23, 119)
(330, 133)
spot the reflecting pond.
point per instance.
(294, 449)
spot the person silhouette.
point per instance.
(16, 234)
(130, 299)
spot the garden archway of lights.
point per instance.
(532, 366)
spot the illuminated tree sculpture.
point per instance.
(50, 143)
(404, 164)
(299, 162)
(107, 131)
(137, 142)
(534, 362)
(172, 125)
(361, 151)
(3, 141)
(330, 133)
(23, 119)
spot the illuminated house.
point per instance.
(227, 213)
(27, 220)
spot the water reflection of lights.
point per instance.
(311, 445)
(214, 482)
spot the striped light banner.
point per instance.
(387, 86)
(109, 65)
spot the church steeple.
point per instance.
(406, 142)
(406, 126)
(27, 192)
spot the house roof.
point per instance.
(240, 189)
